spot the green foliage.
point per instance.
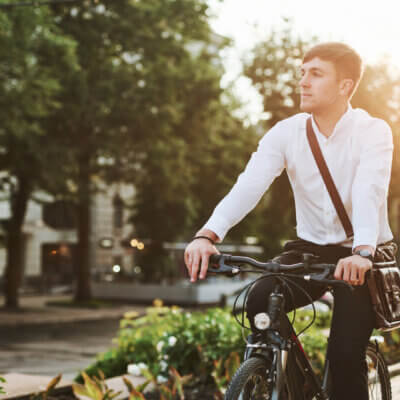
(49, 388)
(170, 337)
(223, 372)
(314, 339)
(29, 88)
(145, 108)
(169, 342)
(116, 91)
(95, 388)
(391, 346)
(34, 57)
(135, 393)
(2, 380)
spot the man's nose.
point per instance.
(304, 81)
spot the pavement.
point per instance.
(29, 333)
(34, 310)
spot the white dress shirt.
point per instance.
(359, 156)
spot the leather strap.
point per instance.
(327, 177)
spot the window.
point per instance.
(118, 212)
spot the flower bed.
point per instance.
(206, 345)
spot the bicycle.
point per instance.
(275, 368)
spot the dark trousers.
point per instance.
(352, 320)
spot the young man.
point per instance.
(358, 152)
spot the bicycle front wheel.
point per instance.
(250, 381)
(378, 375)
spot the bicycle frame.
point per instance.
(278, 350)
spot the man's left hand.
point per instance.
(352, 269)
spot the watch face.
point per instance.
(365, 253)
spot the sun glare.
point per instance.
(372, 29)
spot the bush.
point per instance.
(170, 337)
(192, 343)
(2, 380)
(391, 347)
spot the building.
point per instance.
(50, 238)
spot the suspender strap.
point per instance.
(327, 177)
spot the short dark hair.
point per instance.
(347, 61)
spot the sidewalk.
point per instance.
(35, 316)
(35, 311)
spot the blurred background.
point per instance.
(124, 122)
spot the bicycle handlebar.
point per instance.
(321, 273)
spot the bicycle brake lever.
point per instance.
(222, 268)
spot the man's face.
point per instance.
(320, 88)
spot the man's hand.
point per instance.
(352, 269)
(196, 256)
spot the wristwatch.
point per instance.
(366, 254)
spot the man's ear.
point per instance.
(346, 86)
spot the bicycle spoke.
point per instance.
(375, 390)
(255, 389)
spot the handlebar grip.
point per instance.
(215, 258)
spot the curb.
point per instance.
(62, 315)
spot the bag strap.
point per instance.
(327, 178)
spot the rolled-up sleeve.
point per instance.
(263, 167)
(371, 183)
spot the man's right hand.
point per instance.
(197, 254)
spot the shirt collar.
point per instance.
(342, 123)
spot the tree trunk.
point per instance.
(83, 290)
(14, 243)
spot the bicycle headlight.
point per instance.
(262, 321)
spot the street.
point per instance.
(49, 350)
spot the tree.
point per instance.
(183, 181)
(146, 74)
(28, 85)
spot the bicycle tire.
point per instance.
(241, 383)
(379, 386)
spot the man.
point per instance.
(358, 152)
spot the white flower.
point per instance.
(163, 365)
(172, 340)
(165, 356)
(136, 369)
(161, 379)
(133, 369)
(160, 345)
(142, 366)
